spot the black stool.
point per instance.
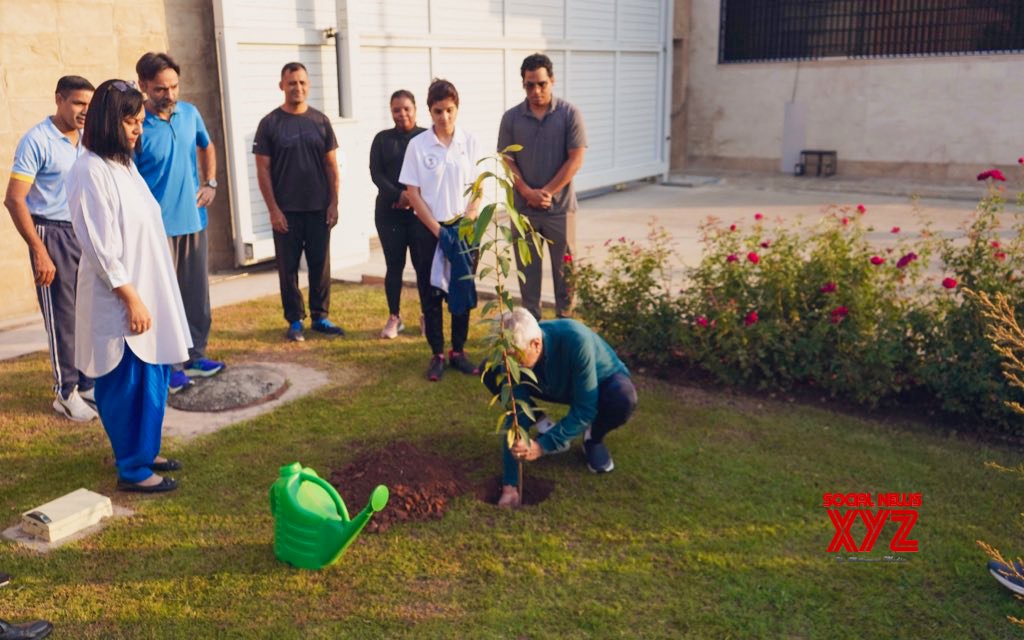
(822, 162)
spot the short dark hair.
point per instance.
(440, 89)
(534, 62)
(403, 93)
(113, 101)
(67, 84)
(153, 63)
(292, 67)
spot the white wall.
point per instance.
(944, 115)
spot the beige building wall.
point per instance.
(940, 118)
(99, 40)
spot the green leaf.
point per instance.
(523, 249)
(486, 214)
(512, 148)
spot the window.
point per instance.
(769, 30)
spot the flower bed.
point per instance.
(820, 306)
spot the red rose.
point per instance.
(877, 260)
(838, 314)
(753, 257)
(895, 229)
(845, 221)
(905, 260)
(828, 287)
(732, 227)
(702, 321)
(861, 209)
(758, 216)
(995, 174)
(750, 319)
(731, 258)
(1020, 160)
(567, 259)
(995, 244)
(949, 283)
(766, 243)
(999, 255)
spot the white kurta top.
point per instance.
(442, 174)
(121, 232)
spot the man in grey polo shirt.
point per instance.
(553, 137)
(39, 209)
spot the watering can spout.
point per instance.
(312, 527)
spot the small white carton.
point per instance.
(66, 515)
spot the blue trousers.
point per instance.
(131, 400)
(616, 401)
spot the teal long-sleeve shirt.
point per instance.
(572, 365)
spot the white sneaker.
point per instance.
(74, 408)
(89, 395)
(392, 328)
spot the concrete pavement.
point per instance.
(628, 213)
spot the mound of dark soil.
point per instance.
(421, 484)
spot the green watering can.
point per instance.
(311, 524)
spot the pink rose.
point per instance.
(828, 287)
(758, 216)
(995, 174)
(877, 260)
(751, 318)
(995, 244)
(753, 257)
(845, 221)
(905, 260)
(622, 238)
(567, 259)
(895, 230)
(861, 209)
(949, 283)
(731, 258)
(702, 321)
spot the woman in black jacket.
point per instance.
(394, 216)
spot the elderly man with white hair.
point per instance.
(574, 366)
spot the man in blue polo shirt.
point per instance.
(179, 163)
(39, 208)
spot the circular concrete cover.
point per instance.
(235, 387)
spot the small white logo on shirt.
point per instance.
(430, 161)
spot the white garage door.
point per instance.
(611, 58)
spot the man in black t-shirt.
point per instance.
(297, 171)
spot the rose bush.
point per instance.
(819, 306)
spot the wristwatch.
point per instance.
(211, 183)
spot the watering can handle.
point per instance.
(331, 491)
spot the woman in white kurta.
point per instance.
(130, 323)
(439, 165)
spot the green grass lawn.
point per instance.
(711, 526)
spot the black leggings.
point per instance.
(395, 229)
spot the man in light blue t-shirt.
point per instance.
(39, 208)
(179, 163)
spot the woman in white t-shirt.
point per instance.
(130, 324)
(439, 165)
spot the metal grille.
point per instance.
(768, 30)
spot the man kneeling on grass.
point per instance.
(574, 366)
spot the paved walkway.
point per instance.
(680, 206)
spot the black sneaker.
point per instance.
(436, 368)
(458, 360)
(598, 458)
(1005, 575)
(323, 325)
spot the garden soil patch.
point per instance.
(421, 484)
(536, 490)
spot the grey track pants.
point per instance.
(57, 303)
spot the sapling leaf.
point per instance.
(512, 148)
